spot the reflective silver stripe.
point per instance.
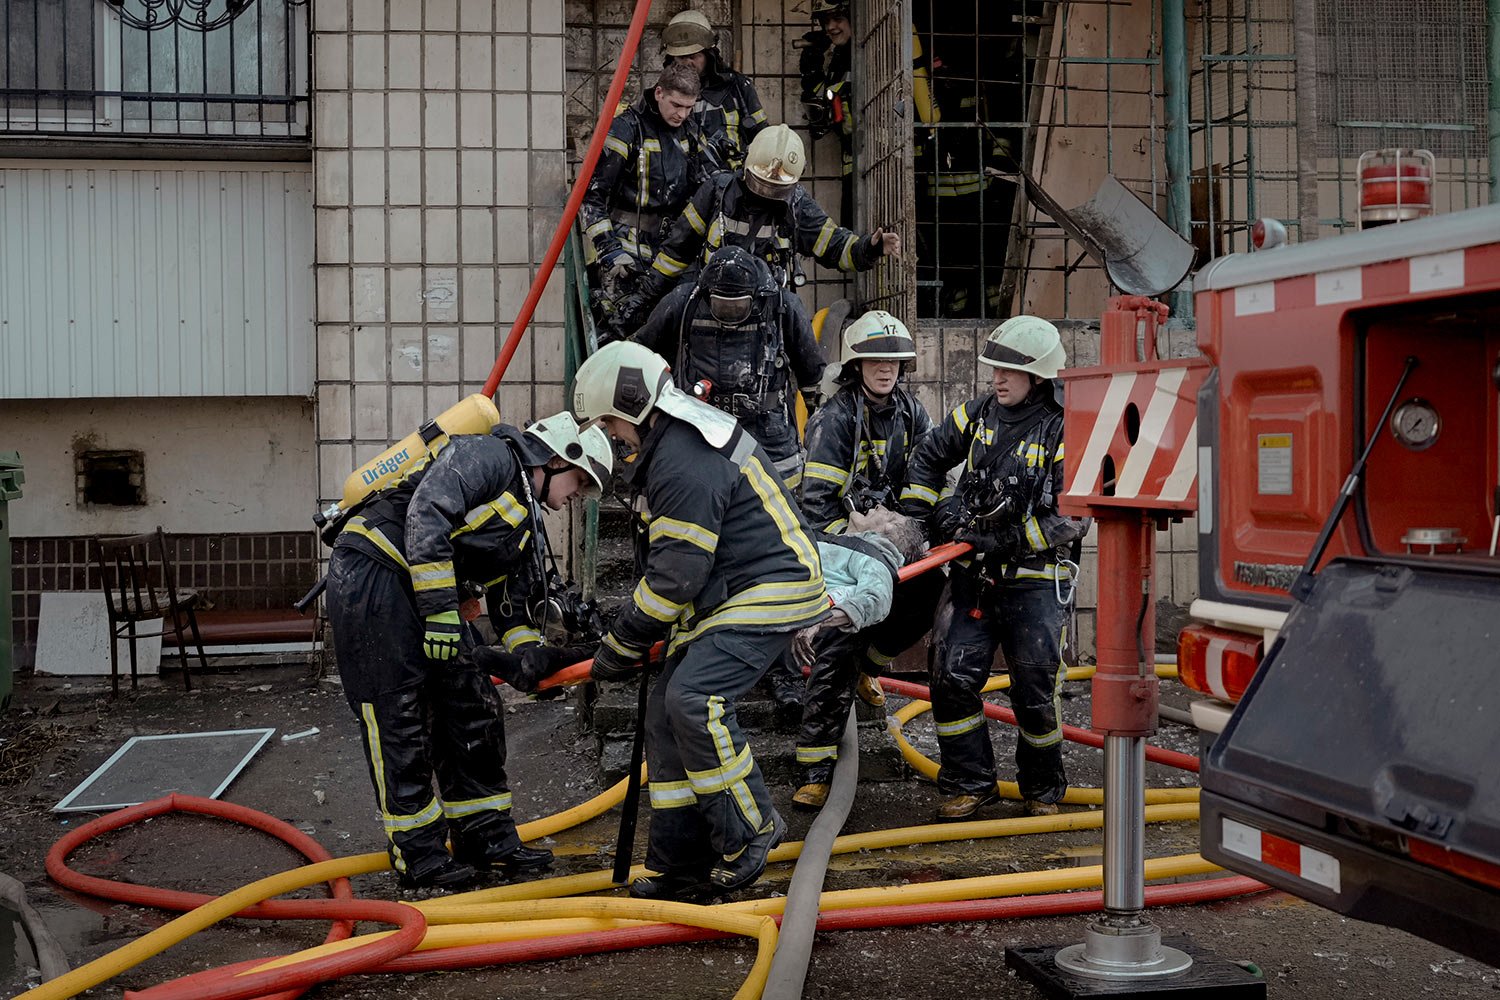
(916, 491)
(1049, 739)
(1034, 534)
(671, 794)
(811, 755)
(668, 266)
(617, 145)
(401, 824)
(521, 635)
(827, 473)
(358, 526)
(718, 779)
(739, 228)
(655, 605)
(694, 219)
(967, 725)
(468, 807)
(619, 647)
(432, 576)
(825, 235)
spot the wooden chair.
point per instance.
(140, 585)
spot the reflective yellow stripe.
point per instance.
(1034, 534)
(668, 265)
(432, 576)
(718, 779)
(846, 259)
(617, 146)
(521, 635)
(671, 794)
(1046, 740)
(729, 762)
(825, 235)
(752, 609)
(393, 822)
(961, 417)
(655, 605)
(836, 527)
(511, 511)
(828, 473)
(811, 755)
(758, 116)
(916, 491)
(774, 501)
(358, 526)
(687, 531)
(619, 647)
(468, 807)
(878, 658)
(793, 481)
(694, 219)
(1057, 456)
(597, 229)
(962, 726)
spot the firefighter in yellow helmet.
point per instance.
(762, 208)
(1012, 594)
(728, 112)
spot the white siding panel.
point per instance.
(145, 279)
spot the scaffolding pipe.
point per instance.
(1492, 32)
(1174, 58)
(1305, 45)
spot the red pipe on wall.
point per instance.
(575, 198)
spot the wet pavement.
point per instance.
(319, 784)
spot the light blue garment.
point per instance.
(858, 584)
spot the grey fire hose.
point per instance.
(50, 957)
(799, 922)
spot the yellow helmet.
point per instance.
(688, 32)
(774, 162)
(1027, 344)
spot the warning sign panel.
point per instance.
(1274, 464)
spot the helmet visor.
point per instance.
(730, 310)
(768, 189)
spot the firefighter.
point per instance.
(653, 159)
(467, 519)
(1009, 595)
(744, 344)
(827, 96)
(728, 112)
(762, 208)
(730, 576)
(858, 446)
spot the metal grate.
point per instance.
(218, 70)
(881, 79)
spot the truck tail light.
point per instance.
(1462, 865)
(1216, 661)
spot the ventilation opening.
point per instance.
(111, 478)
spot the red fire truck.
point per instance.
(1348, 625)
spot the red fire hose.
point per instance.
(575, 197)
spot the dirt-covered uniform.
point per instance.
(463, 522)
(730, 574)
(1004, 598)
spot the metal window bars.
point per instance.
(200, 70)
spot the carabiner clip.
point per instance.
(1057, 581)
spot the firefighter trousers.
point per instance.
(418, 719)
(842, 656)
(1026, 624)
(708, 799)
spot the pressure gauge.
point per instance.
(1416, 424)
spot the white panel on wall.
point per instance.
(147, 279)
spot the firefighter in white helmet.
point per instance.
(730, 574)
(1012, 593)
(728, 112)
(858, 446)
(467, 519)
(763, 209)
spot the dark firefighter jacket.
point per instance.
(727, 547)
(728, 111)
(994, 441)
(646, 173)
(824, 71)
(462, 519)
(750, 365)
(723, 212)
(854, 445)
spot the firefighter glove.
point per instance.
(440, 643)
(1002, 542)
(611, 666)
(619, 265)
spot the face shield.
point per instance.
(730, 310)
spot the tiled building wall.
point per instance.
(440, 176)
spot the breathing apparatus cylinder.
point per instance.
(474, 414)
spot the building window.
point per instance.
(110, 478)
(220, 70)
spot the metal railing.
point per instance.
(202, 70)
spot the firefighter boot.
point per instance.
(869, 690)
(811, 795)
(438, 871)
(672, 887)
(958, 807)
(747, 864)
(1036, 807)
(511, 859)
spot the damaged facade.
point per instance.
(256, 255)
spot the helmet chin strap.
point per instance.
(544, 491)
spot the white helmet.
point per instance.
(774, 162)
(588, 449)
(688, 32)
(877, 334)
(1026, 344)
(626, 380)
